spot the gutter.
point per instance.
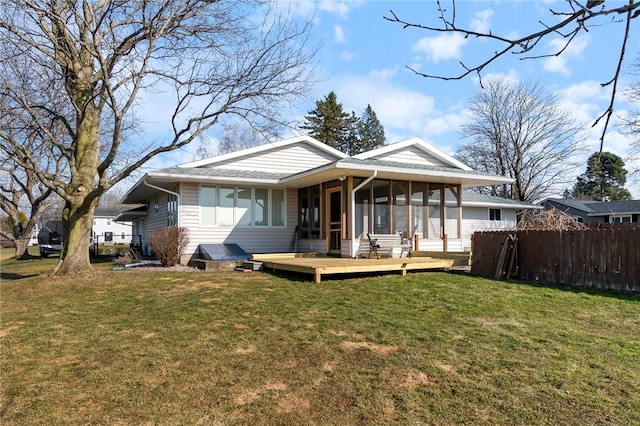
(353, 209)
(168, 192)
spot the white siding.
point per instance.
(290, 159)
(102, 224)
(413, 155)
(155, 219)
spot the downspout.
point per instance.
(168, 192)
(353, 210)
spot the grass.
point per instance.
(141, 347)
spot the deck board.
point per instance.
(319, 266)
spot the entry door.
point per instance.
(334, 219)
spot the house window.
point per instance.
(278, 207)
(225, 206)
(620, 219)
(261, 207)
(122, 236)
(241, 206)
(108, 222)
(172, 210)
(495, 214)
(208, 205)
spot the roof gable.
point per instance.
(413, 151)
(287, 156)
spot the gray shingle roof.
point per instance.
(599, 208)
(215, 172)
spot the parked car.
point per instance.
(50, 239)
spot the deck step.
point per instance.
(252, 265)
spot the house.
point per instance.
(301, 195)
(106, 230)
(596, 211)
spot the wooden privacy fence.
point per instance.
(607, 258)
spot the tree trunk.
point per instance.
(21, 247)
(77, 224)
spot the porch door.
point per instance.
(334, 220)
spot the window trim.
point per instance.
(217, 213)
(499, 210)
(619, 218)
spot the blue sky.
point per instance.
(363, 59)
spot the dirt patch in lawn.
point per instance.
(378, 349)
(252, 395)
(193, 286)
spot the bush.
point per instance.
(168, 244)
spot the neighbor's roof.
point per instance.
(600, 208)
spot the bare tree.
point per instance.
(92, 66)
(23, 198)
(576, 17)
(517, 130)
(632, 122)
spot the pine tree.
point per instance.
(370, 130)
(605, 177)
(327, 122)
(346, 132)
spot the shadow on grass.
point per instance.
(10, 276)
(616, 294)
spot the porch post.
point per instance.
(460, 211)
(443, 215)
(458, 194)
(353, 209)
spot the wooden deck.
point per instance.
(309, 263)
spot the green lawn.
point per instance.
(147, 347)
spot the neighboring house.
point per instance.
(301, 195)
(597, 211)
(106, 230)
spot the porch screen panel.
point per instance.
(363, 203)
(419, 197)
(309, 209)
(225, 206)
(207, 201)
(303, 208)
(381, 200)
(278, 207)
(261, 207)
(400, 207)
(434, 221)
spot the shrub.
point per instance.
(168, 244)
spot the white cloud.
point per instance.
(338, 8)
(559, 63)
(338, 34)
(480, 23)
(402, 111)
(443, 47)
(347, 56)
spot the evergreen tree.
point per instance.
(370, 130)
(605, 177)
(327, 122)
(351, 134)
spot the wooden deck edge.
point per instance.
(318, 271)
(275, 256)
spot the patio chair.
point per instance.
(406, 244)
(373, 246)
